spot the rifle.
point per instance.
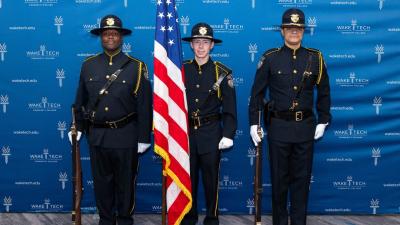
(258, 189)
(77, 188)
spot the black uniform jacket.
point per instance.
(280, 70)
(129, 93)
(199, 81)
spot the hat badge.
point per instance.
(294, 18)
(110, 21)
(203, 30)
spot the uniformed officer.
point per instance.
(291, 73)
(211, 101)
(117, 108)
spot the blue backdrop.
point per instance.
(43, 43)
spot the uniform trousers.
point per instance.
(114, 174)
(290, 166)
(208, 164)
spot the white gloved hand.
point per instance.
(225, 143)
(78, 136)
(254, 134)
(142, 147)
(319, 130)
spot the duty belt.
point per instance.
(292, 115)
(198, 121)
(114, 124)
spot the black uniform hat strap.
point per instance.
(306, 74)
(106, 86)
(212, 91)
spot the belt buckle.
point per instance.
(113, 125)
(299, 116)
(196, 121)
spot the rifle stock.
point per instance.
(258, 189)
(76, 175)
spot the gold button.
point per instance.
(294, 57)
(110, 63)
(106, 109)
(195, 127)
(196, 100)
(197, 85)
(124, 81)
(295, 88)
(90, 79)
(279, 72)
(200, 72)
(106, 92)
(108, 77)
(294, 71)
(296, 103)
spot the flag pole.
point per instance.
(164, 196)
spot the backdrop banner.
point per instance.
(356, 164)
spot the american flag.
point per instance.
(170, 112)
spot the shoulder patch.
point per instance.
(222, 67)
(230, 80)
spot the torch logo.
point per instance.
(376, 153)
(63, 177)
(3, 50)
(7, 202)
(6, 152)
(377, 104)
(185, 22)
(4, 101)
(62, 127)
(60, 75)
(379, 51)
(253, 49)
(58, 22)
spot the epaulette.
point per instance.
(91, 57)
(270, 51)
(265, 55)
(188, 61)
(135, 59)
(222, 67)
(320, 62)
(313, 50)
(142, 71)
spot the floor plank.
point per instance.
(151, 219)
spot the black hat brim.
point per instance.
(293, 25)
(98, 31)
(189, 39)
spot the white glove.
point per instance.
(225, 143)
(254, 134)
(78, 136)
(319, 130)
(142, 147)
